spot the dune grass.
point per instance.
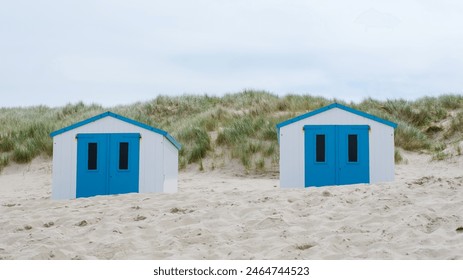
(456, 125)
(398, 156)
(239, 126)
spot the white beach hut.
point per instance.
(335, 145)
(111, 154)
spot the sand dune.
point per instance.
(221, 216)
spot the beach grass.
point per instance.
(237, 126)
(398, 158)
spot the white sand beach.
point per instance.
(221, 215)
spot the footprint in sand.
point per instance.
(304, 246)
(139, 218)
(82, 223)
(326, 194)
(49, 224)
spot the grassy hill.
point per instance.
(237, 128)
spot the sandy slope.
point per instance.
(220, 216)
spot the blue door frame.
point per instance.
(336, 155)
(107, 163)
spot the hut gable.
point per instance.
(121, 118)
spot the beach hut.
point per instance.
(335, 145)
(111, 154)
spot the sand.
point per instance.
(218, 215)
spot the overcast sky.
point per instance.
(117, 52)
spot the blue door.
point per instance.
(92, 165)
(336, 155)
(107, 164)
(353, 156)
(320, 155)
(124, 165)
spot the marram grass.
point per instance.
(237, 127)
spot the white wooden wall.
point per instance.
(170, 167)
(152, 158)
(292, 146)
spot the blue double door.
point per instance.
(336, 155)
(107, 164)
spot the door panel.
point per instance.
(92, 153)
(354, 156)
(124, 167)
(320, 155)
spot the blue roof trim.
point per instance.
(127, 120)
(336, 105)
